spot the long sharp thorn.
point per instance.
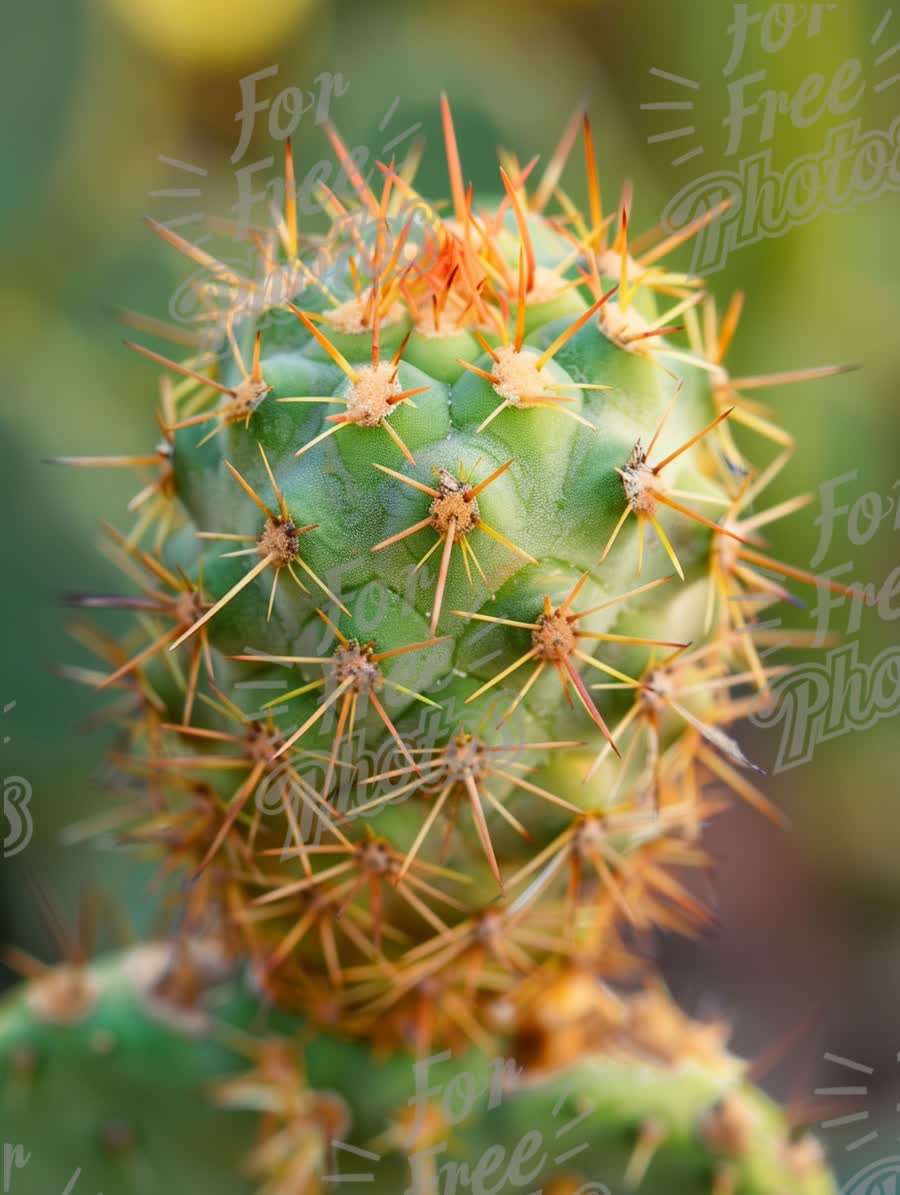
(321, 584)
(290, 199)
(588, 703)
(196, 254)
(380, 656)
(565, 336)
(615, 533)
(314, 717)
(521, 308)
(501, 539)
(692, 441)
(337, 357)
(356, 179)
(398, 441)
(457, 189)
(393, 539)
(240, 799)
(529, 655)
(443, 569)
(669, 550)
(799, 574)
(319, 438)
(111, 462)
(555, 166)
(146, 654)
(594, 200)
(662, 423)
(693, 514)
(482, 485)
(417, 485)
(525, 237)
(393, 732)
(250, 492)
(182, 369)
(625, 596)
(433, 814)
(233, 592)
(684, 234)
(484, 834)
(789, 378)
(729, 325)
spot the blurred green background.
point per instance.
(95, 91)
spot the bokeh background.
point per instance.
(806, 961)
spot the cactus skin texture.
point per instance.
(434, 659)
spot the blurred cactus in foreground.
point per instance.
(447, 575)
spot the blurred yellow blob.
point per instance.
(211, 32)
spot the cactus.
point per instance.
(155, 1090)
(435, 656)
